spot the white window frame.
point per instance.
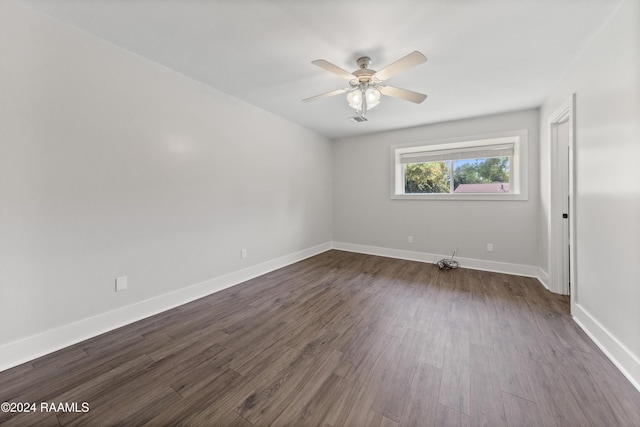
(518, 168)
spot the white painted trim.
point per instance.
(566, 112)
(617, 352)
(573, 255)
(26, 349)
(474, 264)
(543, 278)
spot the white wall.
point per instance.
(364, 214)
(111, 165)
(606, 81)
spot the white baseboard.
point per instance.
(617, 352)
(24, 350)
(543, 278)
(474, 264)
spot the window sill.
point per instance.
(502, 197)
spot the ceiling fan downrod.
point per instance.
(364, 62)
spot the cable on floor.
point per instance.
(448, 263)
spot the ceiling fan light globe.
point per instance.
(355, 99)
(372, 96)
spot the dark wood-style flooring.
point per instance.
(340, 339)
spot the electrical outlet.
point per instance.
(489, 247)
(121, 283)
(410, 239)
(243, 254)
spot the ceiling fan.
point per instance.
(366, 85)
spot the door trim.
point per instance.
(565, 113)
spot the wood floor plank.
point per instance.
(375, 419)
(593, 401)
(513, 378)
(435, 344)
(421, 406)
(367, 386)
(60, 358)
(456, 382)
(270, 358)
(295, 409)
(483, 327)
(267, 403)
(485, 393)
(323, 408)
(340, 339)
(618, 392)
(247, 345)
(391, 399)
(259, 376)
(44, 384)
(358, 362)
(43, 419)
(92, 389)
(134, 409)
(131, 388)
(448, 417)
(198, 409)
(521, 412)
(207, 337)
(556, 403)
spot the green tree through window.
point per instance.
(481, 171)
(431, 177)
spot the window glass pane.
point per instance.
(486, 175)
(429, 177)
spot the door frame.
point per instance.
(565, 113)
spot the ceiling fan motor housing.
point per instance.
(363, 74)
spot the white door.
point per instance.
(562, 147)
(562, 236)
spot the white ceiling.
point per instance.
(485, 56)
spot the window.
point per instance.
(491, 168)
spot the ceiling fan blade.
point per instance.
(411, 60)
(405, 94)
(325, 95)
(333, 69)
